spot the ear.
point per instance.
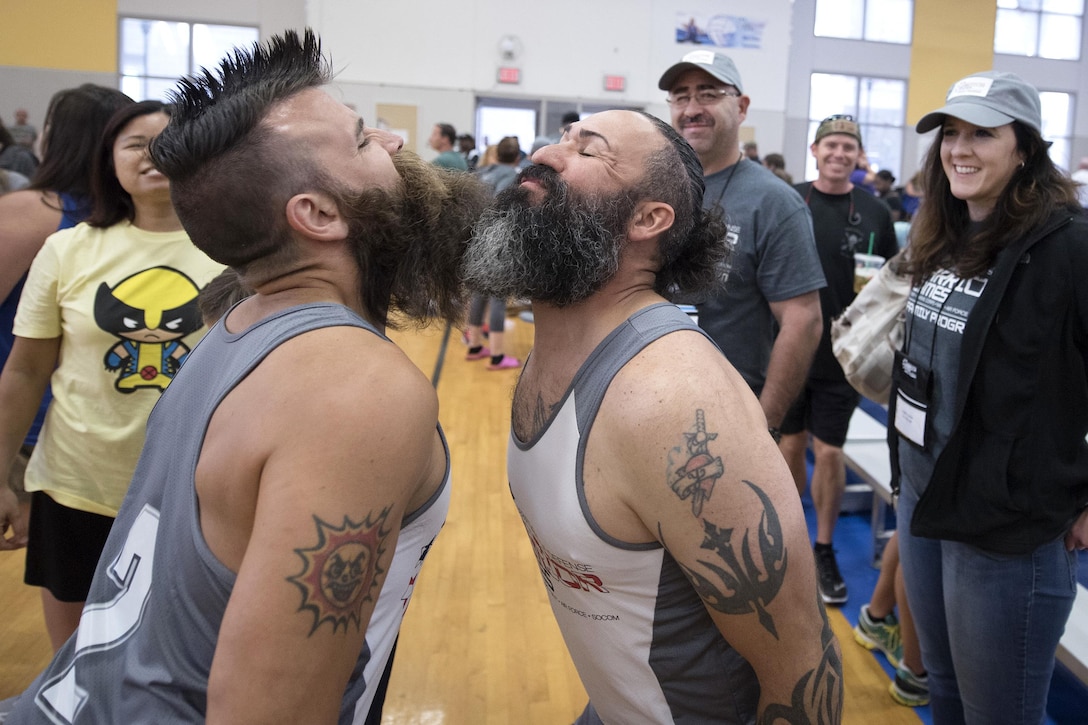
(812, 149)
(317, 216)
(742, 106)
(650, 220)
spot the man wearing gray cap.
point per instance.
(775, 272)
(988, 408)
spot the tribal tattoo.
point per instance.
(748, 587)
(340, 572)
(817, 697)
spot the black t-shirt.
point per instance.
(844, 224)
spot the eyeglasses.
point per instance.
(704, 97)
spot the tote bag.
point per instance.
(866, 335)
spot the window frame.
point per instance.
(863, 24)
(856, 110)
(147, 81)
(1039, 15)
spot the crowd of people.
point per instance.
(196, 511)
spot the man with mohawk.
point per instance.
(294, 475)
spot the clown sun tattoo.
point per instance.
(340, 571)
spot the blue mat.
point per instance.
(1068, 701)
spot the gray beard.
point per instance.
(560, 252)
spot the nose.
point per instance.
(956, 146)
(389, 141)
(547, 155)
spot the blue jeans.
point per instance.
(988, 623)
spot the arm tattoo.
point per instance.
(817, 696)
(747, 587)
(696, 476)
(340, 571)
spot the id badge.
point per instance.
(912, 399)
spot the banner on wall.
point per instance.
(723, 31)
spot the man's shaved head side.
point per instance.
(230, 176)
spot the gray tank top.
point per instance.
(147, 635)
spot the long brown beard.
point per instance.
(408, 243)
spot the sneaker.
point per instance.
(832, 587)
(506, 363)
(908, 688)
(478, 355)
(880, 634)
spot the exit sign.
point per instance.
(614, 83)
(509, 75)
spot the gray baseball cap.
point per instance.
(988, 99)
(718, 65)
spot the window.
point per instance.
(1058, 111)
(1043, 28)
(878, 104)
(881, 21)
(499, 117)
(156, 53)
(528, 119)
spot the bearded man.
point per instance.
(663, 518)
(294, 475)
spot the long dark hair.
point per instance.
(941, 235)
(111, 204)
(73, 124)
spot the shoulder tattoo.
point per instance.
(735, 580)
(340, 571)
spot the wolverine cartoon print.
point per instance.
(150, 312)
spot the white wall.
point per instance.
(409, 53)
(439, 57)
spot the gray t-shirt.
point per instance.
(937, 313)
(774, 259)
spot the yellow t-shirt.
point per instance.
(123, 302)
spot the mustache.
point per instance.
(697, 118)
(546, 176)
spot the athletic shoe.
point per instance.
(507, 363)
(880, 634)
(908, 688)
(832, 587)
(479, 354)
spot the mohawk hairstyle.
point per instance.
(247, 84)
(230, 177)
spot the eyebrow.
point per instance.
(359, 126)
(586, 135)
